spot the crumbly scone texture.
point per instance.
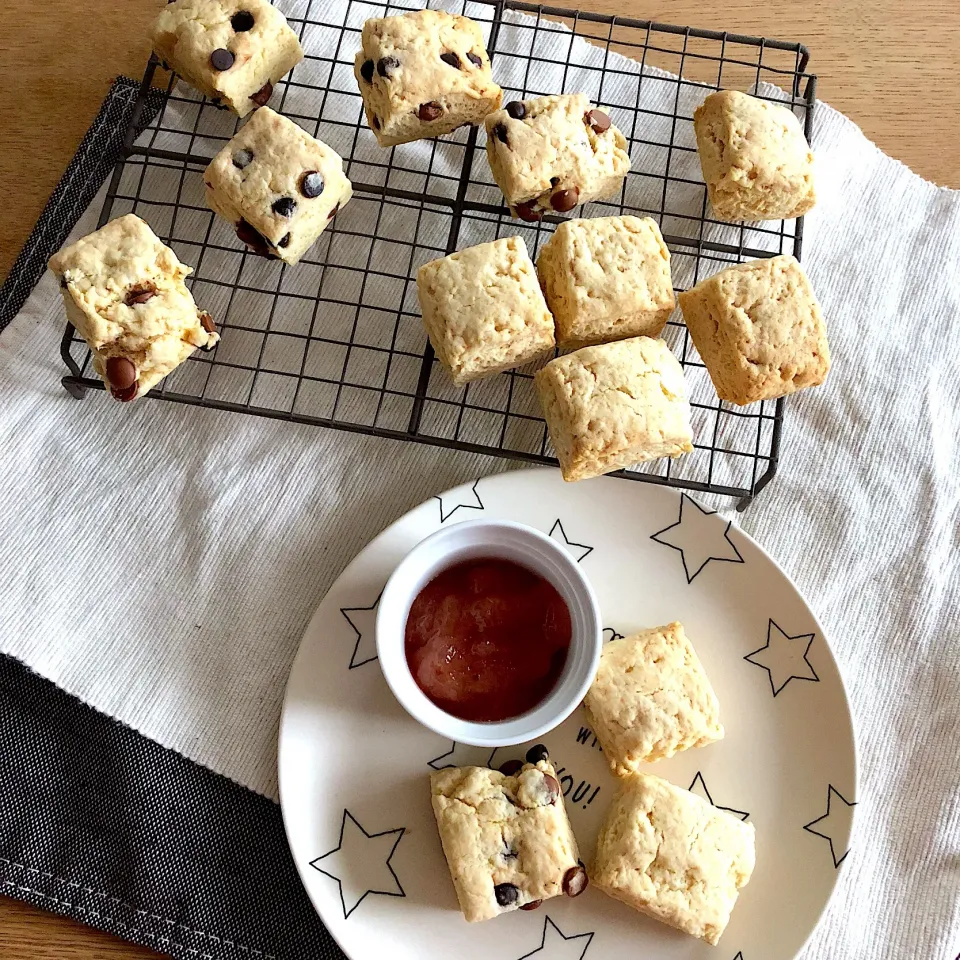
(613, 405)
(651, 698)
(552, 149)
(755, 159)
(498, 829)
(405, 72)
(483, 309)
(673, 856)
(257, 175)
(759, 330)
(186, 32)
(97, 275)
(606, 278)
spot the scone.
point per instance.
(423, 74)
(606, 278)
(124, 293)
(277, 185)
(553, 153)
(651, 698)
(755, 159)
(614, 405)
(232, 51)
(507, 839)
(673, 856)
(483, 309)
(759, 330)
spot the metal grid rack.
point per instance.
(337, 340)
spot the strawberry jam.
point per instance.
(487, 639)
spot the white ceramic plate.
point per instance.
(354, 766)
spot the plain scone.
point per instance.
(755, 159)
(615, 404)
(673, 856)
(759, 330)
(651, 698)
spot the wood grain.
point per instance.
(892, 73)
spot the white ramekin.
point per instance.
(473, 539)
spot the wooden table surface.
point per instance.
(892, 73)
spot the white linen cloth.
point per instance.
(162, 561)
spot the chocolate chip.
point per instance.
(284, 207)
(386, 64)
(517, 109)
(511, 767)
(333, 212)
(63, 283)
(125, 396)
(597, 119)
(221, 59)
(551, 787)
(430, 111)
(376, 123)
(537, 753)
(206, 321)
(366, 70)
(500, 132)
(451, 59)
(121, 373)
(311, 184)
(564, 200)
(140, 293)
(528, 212)
(554, 181)
(532, 905)
(261, 97)
(475, 59)
(575, 880)
(242, 21)
(506, 894)
(284, 241)
(249, 235)
(242, 159)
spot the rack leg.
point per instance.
(75, 390)
(744, 503)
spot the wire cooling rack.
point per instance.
(337, 340)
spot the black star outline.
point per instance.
(800, 636)
(444, 517)
(614, 634)
(726, 536)
(569, 543)
(346, 611)
(832, 791)
(739, 955)
(399, 831)
(453, 746)
(742, 814)
(543, 939)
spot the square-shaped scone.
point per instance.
(755, 159)
(552, 153)
(483, 309)
(124, 293)
(277, 185)
(759, 330)
(232, 51)
(423, 74)
(673, 856)
(613, 405)
(506, 838)
(651, 698)
(606, 278)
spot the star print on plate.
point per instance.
(453, 500)
(364, 623)
(554, 945)
(609, 633)
(784, 658)
(699, 787)
(835, 824)
(576, 550)
(360, 863)
(697, 538)
(739, 956)
(463, 755)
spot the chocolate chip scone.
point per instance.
(124, 293)
(277, 185)
(423, 74)
(232, 51)
(506, 837)
(553, 153)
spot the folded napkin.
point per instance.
(164, 560)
